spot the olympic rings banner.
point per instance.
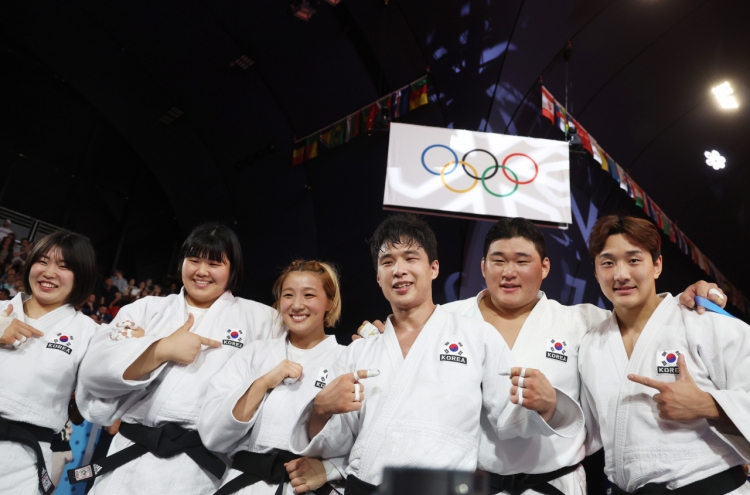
(447, 171)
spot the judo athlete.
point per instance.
(255, 401)
(667, 391)
(428, 376)
(152, 365)
(542, 334)
(43, 342)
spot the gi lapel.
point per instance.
(532, 330)
(403, 379)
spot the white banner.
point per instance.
(477, 174)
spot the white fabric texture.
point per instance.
(548, 324)
(271, 426)
(173, 393)
(18, 474)
(423, 410)
(640, 447)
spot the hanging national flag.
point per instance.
(623, 179)
(396, 105)
(418, 95)
(611, 167)
(338, 132)
(311, 147)
(298, 154)
(561, 118)
(325, 138)
(638, 196)
(352, 126)
(368, 116)
(666, 225)
(599, 155)
(584, 136)
(548, 105)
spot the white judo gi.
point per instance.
(272, 424)
(639, 447)
(548, 341)
(423, 410)
(173, 393)
(37, 380)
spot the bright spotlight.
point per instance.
(724, 93)
(715, 160)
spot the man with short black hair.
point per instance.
(428, 377)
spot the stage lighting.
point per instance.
(715, 160)
(724, 93)
(303, 10)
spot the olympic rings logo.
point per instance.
(473, 174)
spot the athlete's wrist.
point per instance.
(709, 409)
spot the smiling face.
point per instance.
(50, 280)
(304, 304)
(205, 280)
(513, 272)
(405, 274)
(626, 273)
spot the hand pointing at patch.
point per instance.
(15, 332)
(680, 400)
(342, 395)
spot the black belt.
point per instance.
(718, 484)
(165, 441)
(268, 467)
(355, 486)
(516, 484)
(30, 435)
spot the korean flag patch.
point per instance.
(557, 350)
(61, 342)
(321, 380)
(234, 338)
(453, 352)
(666, 362)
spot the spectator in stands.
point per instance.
(129, 289)
(114, 307)
(95, 317)
(108, 291)
(149, 285)
(119, 281)
(103, 315)
(6, 248)
(138, 292)
(157, 291)
(4, 294)
(173, 289)
(9, 278)
(5, 229)
(21, 251)
(18, 286)
(89, 307)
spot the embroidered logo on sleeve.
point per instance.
(233, 338)
(666, 362)
(557, 350)
(322, 379)
(453, 352)
(61, 342)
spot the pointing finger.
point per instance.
(362, 374)
(188, 324)
(210, 342)
(682, 367)
(648, 382)
(9, 310)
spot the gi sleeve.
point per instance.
(220, 431)
(511, 420)
(723, 345)
(106, 360)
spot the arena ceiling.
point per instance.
(144, 117)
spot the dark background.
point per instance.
(87, 143)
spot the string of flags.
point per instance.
(397, 104)
(557, 114)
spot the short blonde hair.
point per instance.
(328, 277)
